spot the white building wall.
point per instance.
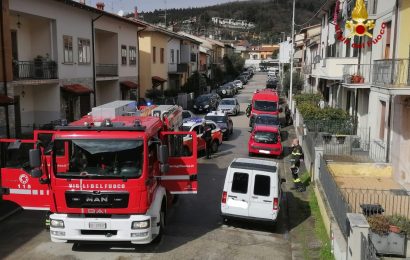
(173, 44)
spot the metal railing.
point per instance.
(335, 198)
(106, 70)
(393, 202)
(368, 250)
(392, 72)
(357, 74)
(36, 69)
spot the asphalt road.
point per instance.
(194, 229)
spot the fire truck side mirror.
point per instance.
(35, 158)
(163, 154)
(36, 173)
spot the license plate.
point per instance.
(97, 225)
(264, 151)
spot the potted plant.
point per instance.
(327, 137)
(340, 138)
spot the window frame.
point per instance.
(124, 51)
(88, 50)
(161, 55)
(172, 53)
(154, 54)
(70, 52)
(132, 55)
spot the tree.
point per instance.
(298, 82)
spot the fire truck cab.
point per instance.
(109, 176)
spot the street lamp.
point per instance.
(291, 56)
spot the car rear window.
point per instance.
(240, 182)
(262, 185)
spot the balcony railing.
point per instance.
(36, 69)
(357, 74)
(106, 70)
(182, 67)
(394, 72)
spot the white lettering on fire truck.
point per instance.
(182, 166)
(96, 186)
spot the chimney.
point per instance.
(136, 12)
(100, 6)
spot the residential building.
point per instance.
(310, 54)
(68, 57)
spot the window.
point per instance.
(388, 41)
(172, 56)
(262, 185)
(382, 119)
(68, 49)
(123, 55)
(154, 54)
(240, 182)
(161, 55)
(193, 57)
(132, 55)
(177, 56)
(84, 51)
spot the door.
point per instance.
(237, 202)
(17, 184)
(182, 175)
(264, 190)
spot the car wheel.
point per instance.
(214, 147)
(162, 223)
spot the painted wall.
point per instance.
(173, 44)
(403, 31)
(107, 91)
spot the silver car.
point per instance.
(230, 106)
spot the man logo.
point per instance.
(359, 25)
(97, 199)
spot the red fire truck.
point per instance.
(109, 176)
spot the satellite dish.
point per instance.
(317, 59)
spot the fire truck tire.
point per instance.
(162, 222)
(214, 146)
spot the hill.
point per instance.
(270, 17)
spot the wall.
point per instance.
(403, 35)
(173, 44)
(107, 91)
(145, 53)
(106, 45)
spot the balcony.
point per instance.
(36, 69)
(332, 68)
(106, 70)
(357, 75)
(392, 73)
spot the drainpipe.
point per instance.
(93, 43)
(3, 52)
(390, 118)
(139, 62)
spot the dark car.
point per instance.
(206, 102)
(243, 78)
(223, 121)
(272, 83)
(225, 91)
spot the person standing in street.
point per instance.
(208, 138)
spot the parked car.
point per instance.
(252, 190)
(243, 79)
(225, 91)
(238, 84)
(223, 121)
(230, 106)
(232, 86)
(272, 83)
(206, 102)
(194, 124)
(265, 139)
(187, 114)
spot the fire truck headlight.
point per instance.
(206, 106)
(56, 223)
(140, 224)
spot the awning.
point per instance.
(76, 89)
(128, 84)
(6, 100)
(158, 79)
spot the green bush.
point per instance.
(402, 222)
(379, 224)
(308, 98)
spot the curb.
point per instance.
(10, 213)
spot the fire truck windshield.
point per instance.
(97, 158)
(268, 106)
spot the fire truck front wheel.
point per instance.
(162, 222)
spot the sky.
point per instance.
(150, 5)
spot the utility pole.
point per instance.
(291, 57)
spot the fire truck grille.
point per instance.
(96, 199)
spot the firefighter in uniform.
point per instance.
(208, 138)
(297, 155)
(248, 110)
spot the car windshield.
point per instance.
(203, 98)
(99, 158)
(227, 102)
(216, 119)
(268, 106)
(186, 128)
(267, 120)
(266, 137)
(186, 114)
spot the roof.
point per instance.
(77, 89)
(156, 78)
(220, 44)
(254, 164)
(101, 12)
(151, 27)
(129, 84)
(216, 113)
(266, 94)
(190, 121)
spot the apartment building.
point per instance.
(66, 58)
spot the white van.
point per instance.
(252, 190)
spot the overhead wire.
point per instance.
(313, 17)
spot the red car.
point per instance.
(265, 139)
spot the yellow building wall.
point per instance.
(403, 36)
(148, 69)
